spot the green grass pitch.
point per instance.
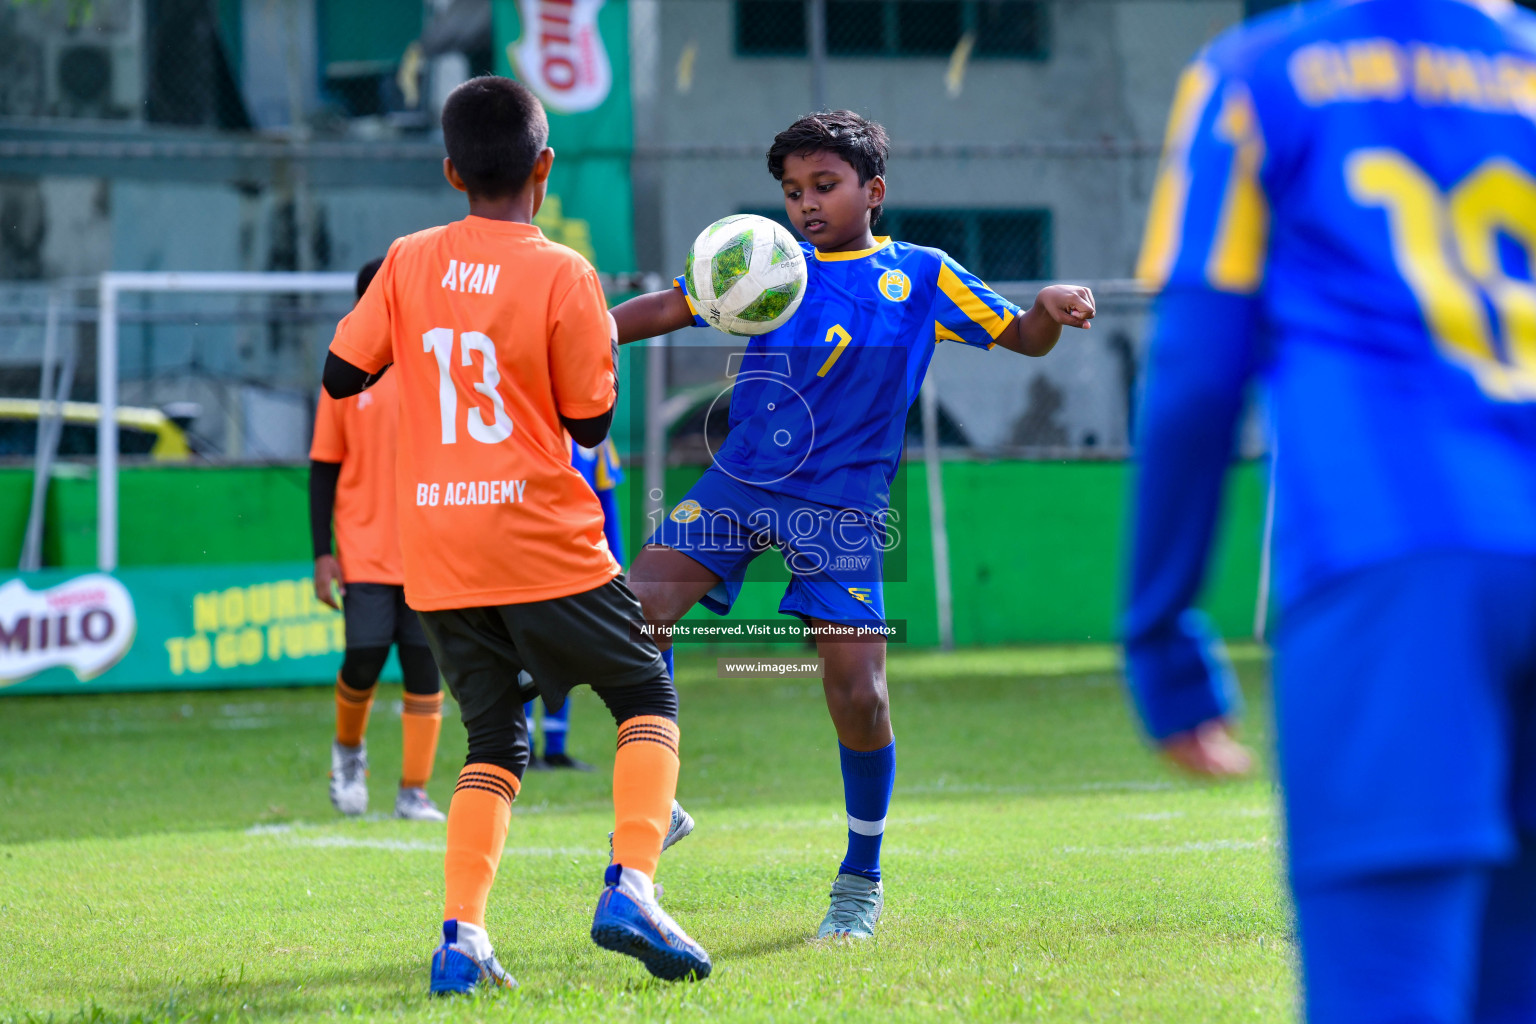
(174, 857)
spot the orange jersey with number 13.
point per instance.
(494, 332)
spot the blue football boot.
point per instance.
(630, 921)
(465, 960)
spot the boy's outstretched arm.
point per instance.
(652, 315)
(1058, 305)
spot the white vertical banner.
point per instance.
(561, 55)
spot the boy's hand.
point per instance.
(1068, 304)
(1037, 331)
(328, 581)
(1209, 749)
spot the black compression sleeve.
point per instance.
(322, 503)
(418, 670)
(342, 379)
(657, 697)
(589, 433)
(360, 666)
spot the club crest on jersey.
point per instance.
(895, 285)
(863, 593)
(686, 511)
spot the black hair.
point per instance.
(861, 142)
(365, 274)
(494, 129)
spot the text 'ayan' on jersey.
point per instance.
(495, 333)
(819, 406)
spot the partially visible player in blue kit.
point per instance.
(601, 468)
(1346, 210)
(818, 413)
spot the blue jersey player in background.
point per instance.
(818, 412)
(1346, 210)
(601, 469)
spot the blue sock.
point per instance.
(868, 777)
(555, 723)
(533, 751)
(666, 656)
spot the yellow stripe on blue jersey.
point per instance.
(600, 466)
(1237, 254)
(881, 241)
(973, 305)
(1170, 194)
(607, 473)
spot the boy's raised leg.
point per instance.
(668, 584)
(628, 919)
(477, 831)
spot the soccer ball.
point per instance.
(746, 274)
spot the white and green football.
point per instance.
(746, 274)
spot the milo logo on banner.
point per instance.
(561, 56)
(86, 624)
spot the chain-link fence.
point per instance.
(893, 28)
(234, 377)
(299, 135)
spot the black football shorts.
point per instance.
(377, 616)
(589, 638)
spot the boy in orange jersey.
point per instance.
(503, 352)
(352, 481)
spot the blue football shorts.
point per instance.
(1405, 698)
(835, 556)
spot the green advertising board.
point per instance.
(193, 627)
(574, 55)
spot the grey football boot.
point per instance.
(349, 778)
(413, 804)
(856, 905)
(678, 828)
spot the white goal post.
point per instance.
(116, 283)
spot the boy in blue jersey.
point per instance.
(818, 412)
(601, 469)
(1347, 210)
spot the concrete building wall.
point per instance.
(1109, 76)
(1107, 79)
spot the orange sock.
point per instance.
(420, 724)
(644, 783)
(352, 708)
(477, 830)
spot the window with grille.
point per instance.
(770, 28)
(1003, 29)
(995, 245)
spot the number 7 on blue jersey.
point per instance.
(843, 338)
